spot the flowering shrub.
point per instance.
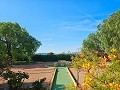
(102, 73)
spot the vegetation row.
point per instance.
(51, 58)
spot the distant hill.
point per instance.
(59, 53)
(75, 52)
(70, 53)
(42, 53)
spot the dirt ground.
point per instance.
(81, 75)
(40, 70)
(36, 71)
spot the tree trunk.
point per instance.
(9, 53)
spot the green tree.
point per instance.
(15, 42)
(50, 53)
(109, 32)
(92, 43)
(101, 74)
(107, 35)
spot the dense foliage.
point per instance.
(101, 74)
(109, 32)
(50, 58)
(15, 42)
(38, 84)
(100, 56)
(107, 35)
(15, 80)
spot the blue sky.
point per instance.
(60, 25)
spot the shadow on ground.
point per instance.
(4, 86)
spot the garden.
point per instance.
(96, 67)
(99, 59)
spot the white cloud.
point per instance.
(83, 25)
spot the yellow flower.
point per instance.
(113, 50)
(110, 56)
(114, 56)
(86, 78)
(83, 65)
(85, 84)
(104, 59)
(110, 84)
(91, 72)
(92, 66)
(113, 82)
(88, 64)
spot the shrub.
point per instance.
(22, 62)
(100, 74)
(38, 84)
(15, 80)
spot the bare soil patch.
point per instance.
(36, 71)
(74, 74)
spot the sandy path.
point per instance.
(35, 71)
(81, 75)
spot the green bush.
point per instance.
(38, 84)
(15, 80)
(51, 58)
(22, 62)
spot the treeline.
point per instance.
(51, 58)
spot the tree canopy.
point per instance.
(100, 56)
(109, 32)
(107, 35)
(91, 43)
(15, 42)
(50, 53)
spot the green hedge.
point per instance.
(51, 58)
(22, 62)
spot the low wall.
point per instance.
(72, 78)
(51, 82)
